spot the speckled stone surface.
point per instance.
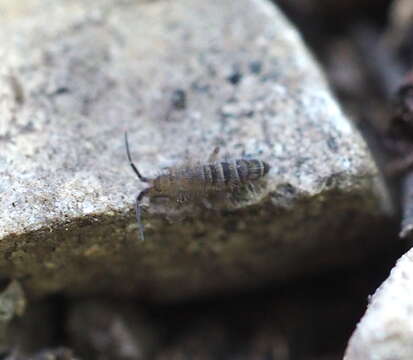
(182, 77)
(386, 330)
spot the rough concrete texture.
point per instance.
(182, 77)
(386, 330)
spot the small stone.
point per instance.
(386, 329)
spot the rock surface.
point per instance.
(386, 330)
(182, 77)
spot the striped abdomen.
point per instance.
(234, 172)
(216, 176)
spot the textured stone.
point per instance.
(386, 330)
(182, 77)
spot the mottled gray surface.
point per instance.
(76, 75)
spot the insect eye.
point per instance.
(266, 168)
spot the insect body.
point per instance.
(198, 181)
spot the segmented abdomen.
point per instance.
(234, 172)
(195, 180)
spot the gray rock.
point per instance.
(386, 330)
(182, 77)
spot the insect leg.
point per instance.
(138, 212)
(214, 155)
(134, 168)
